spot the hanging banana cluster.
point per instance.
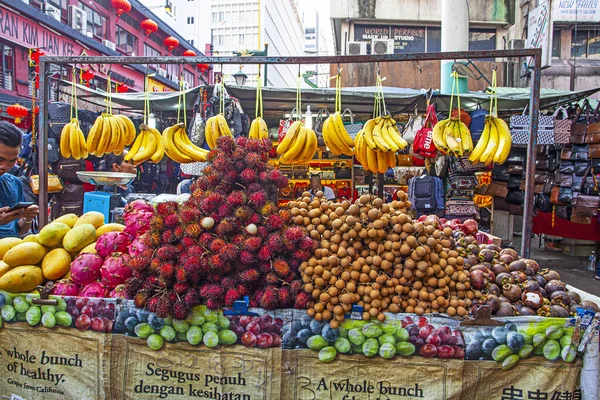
(336, 137)
(215, 128)
(146, 147)
(494, 144)
(298, 146)
(178, 146)
(377, 143)
(72, 141)
(258, 129)
(451, 136)
(110, 134)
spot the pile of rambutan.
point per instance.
(228, 241)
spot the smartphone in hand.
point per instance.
(22, 204)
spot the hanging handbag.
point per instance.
(537, 188)
(565, 195)
(586, 205)
(542, 164)
(542, 203)
(548, 185)
(423, 144)
(515, 197)
(415, 122)
(515, 157)
(318, 123)
(515, 169)
(577, 184)
(566, 167)
(497, 189)
(580, 152)
(562, 211)
(500, 173)
(514, 182)
(566, 153)
(54, 183)
(540, 178)
(593, 130)
(581, 168)
(566, 181)
(594, 151)
(519, 129)
(562, 127)
(580, 219)
(580, 124)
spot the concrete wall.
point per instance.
(492, 11)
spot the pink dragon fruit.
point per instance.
(112, 242)
(135, 226)
(115, 271)
(85, 268)
(139, 245)
(135, 207)
(65, 287)
(94, 289)
(118, 292)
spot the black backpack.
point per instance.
(424, 194)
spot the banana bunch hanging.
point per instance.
(451, 136)
(258, 129)
(298, 146)
(215, 128)
(72, 141)
(146, 147)
(336, 137)
(110, 134)
(178, 146)
(377, 144)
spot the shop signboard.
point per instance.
(576, 10)
(408, 39)
(539, 32)
(365, 33)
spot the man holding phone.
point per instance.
(17, 221)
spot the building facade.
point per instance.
(83, 27)
(316, 34)
(230, 26)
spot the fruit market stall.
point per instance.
(227, 294)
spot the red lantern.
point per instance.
(203, 67)
(149, 26)
(36, 54)
(17, 111)
(171, 43)
(122, 88)
(122, 6)
(36, 110)
(189, 53)
(88, 75)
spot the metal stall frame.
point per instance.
(534, 101)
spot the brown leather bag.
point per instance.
(554, 195)
(580, 219)
(593, 137)
(594, 150)
(579, 129)
(586, 206)
(566, 153)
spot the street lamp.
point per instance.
(240, 77)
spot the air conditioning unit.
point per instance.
(77, 18)
(89, 34)
(162, 72)
(357, 48)
(52, 11)
(382, 46)
(109, 44)
(174, 78)
(516, 44)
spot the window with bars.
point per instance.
(130, 21)
(585, 43)
(95, 21)
(150, 51)
(188, 77)
(126, 41)
(7, 67)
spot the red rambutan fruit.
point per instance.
(178, 233)
(302, 254)
(228, 282)
(285, 215)
(167, 208)
(239, 153)
(249, 275)
(213, 180)
(296, 286)
(181, 288)
(255, 299)
(157, 223)
(268, 209)
(242, 290)
(270, 299)
(252, 244)
(243, 212)
(254, 219)
(226, 144)
(171, 220)
(214, 304)
(303, 299)
(246, 257)
(137, 264)
(166, 270)
(188, 241)
(221, 163)
(189, 214)
(216, 262)
(285, 297)
(294, 234)
(238, 239)
(141, 298)
(224, 211)
(271, 279)
(265, 267)
(281, 267)
(225, 226)
(167, 252)
(253, 188)
(265, 253)
(211, 291)
(241, 141)
(163, 307)
(262, 231)
(181, 275)
(167, 237)
(229, 252)
(274, 222)
(191, 298)
(248, 175)
(258, 198)
(180, 310)
(263, 177)
(236, 198)
(211, 155)
(253, 159)
(211, 202)
(216, 245)
(205, 240)
(231, 295)
(151, 304)
(275, 243)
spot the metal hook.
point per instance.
(378, 69)
(339, 69)
(494, 67)
(299, 70)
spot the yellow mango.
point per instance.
(69, 219)
(90, 248)
(4, 268)
(29, 253)
(52, 234)
(22, 279)
(109, 228)
(56, 263)
(91, 217)
(31, 238)
(79, 237)
(8, 243)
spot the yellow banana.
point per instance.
(331, 146)
(130, 128)
(147, 150)
(368, 133)
(438, 135)
(159, 153)
(465, 136)
(95, 135)
(372, 162)
(104, 137)
(65, 141)
(208, 133)
(292, 155)
(492, 145)
(333, 136)
(378, 139)
(83, 153)
(457, 136)
(74, 140)
(475, 155)
(123, 136)
(290, 135)
(263, 129)
(453, 145)
(396, 137)
(358, 148)
(135, 147)
(385, 134)
(341, 131)
(505, 141)
(310, 148)
(254, 129)
(391, 159)
(185, 146)
(115, 135)
(382, 164)
(223, 127)
(170, 149)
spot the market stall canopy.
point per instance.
(280, 101)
